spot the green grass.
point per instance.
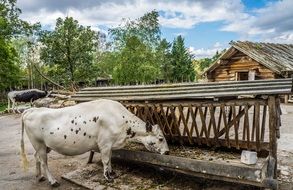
(3, 106)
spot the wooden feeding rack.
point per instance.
(234, 115)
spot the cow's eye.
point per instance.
(161, 139)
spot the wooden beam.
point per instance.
(272, 133)
(232, 170)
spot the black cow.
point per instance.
(25, 96)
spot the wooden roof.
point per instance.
(276, 57)
(185, 91)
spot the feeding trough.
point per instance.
(238, 115)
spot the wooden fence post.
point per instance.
(273, 118)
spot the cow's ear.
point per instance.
(148, 127)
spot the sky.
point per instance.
(206, 25)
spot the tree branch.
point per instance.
(47, 77)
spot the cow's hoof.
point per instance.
(113, 175)
(108, 177)
(55, 184)
(41, 178)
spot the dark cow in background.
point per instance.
(25, 96)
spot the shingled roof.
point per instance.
(276, 57)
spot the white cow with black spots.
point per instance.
(101, 125)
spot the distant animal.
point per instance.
(25, 96)
(100, 125)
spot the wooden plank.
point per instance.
(175, 85)
(236, 126)
(256, 123)
(187, 121)
(219, 124)
(225, 125)
(213, 89)
(204, 103)
(268, 91)
(278, 102)
(192, 89)
(253, 124)
(246, 125)
(263, 123)
(217, 168)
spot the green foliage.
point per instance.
(202, 64)
(181, 60)
(141, 56)
(68, 51)
(10, 26)
(134, 59)
(206, 62)
(135, 64)
(163, 58)
(146, 29)
(3, 106)
(9, 69)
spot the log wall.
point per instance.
(239, 62)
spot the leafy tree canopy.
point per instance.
(10, 27)
(68, 50)
(146, 29)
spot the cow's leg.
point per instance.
(90, 160)
(105, 154)
(43, 158)
(111, 171)
(13, 105)
(8, 106)
(39, 175)
(31, 102)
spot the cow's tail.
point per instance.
(24, 159)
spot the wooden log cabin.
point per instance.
(252, 61)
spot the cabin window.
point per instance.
(242, 75)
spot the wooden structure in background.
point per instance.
(234, 115)
(252, 61)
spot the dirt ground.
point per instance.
(13, 177)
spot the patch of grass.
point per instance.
(3, 106)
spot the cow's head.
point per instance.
(155, 141)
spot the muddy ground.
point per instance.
(13, 177)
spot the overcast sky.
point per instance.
(207, 25)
